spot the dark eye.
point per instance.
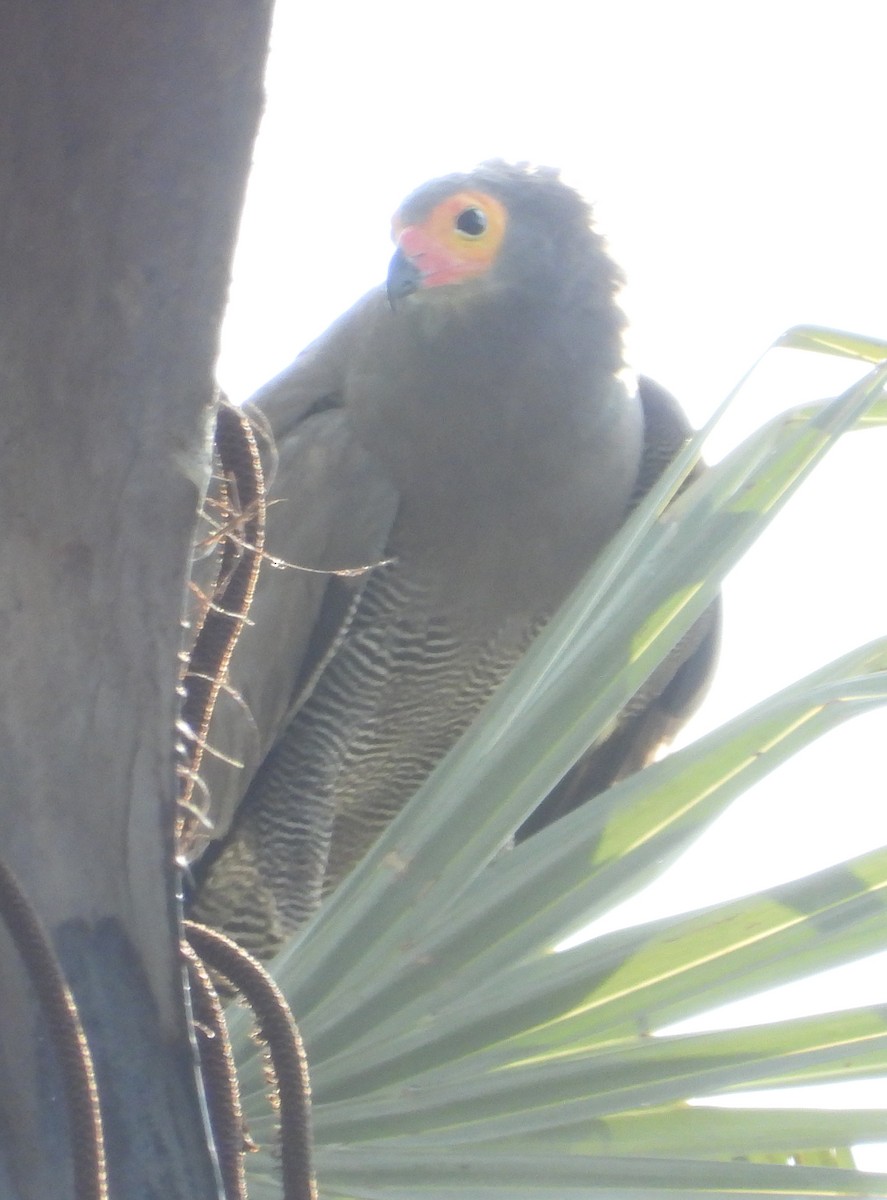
(473, 222)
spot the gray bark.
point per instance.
(125, 137)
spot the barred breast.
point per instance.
(397, 693)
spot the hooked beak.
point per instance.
(404, 277)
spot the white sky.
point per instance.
(735, 158)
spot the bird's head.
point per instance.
(500, 226)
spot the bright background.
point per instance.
(734, 155)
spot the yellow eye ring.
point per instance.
(459, 238)
(472, 224)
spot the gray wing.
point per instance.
(330, 509)
(674, 691)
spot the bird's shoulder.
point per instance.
(316, 379)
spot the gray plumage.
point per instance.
(478, 437)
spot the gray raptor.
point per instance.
(471, 430)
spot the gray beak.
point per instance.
(403, 278)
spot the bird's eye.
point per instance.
(472, 222)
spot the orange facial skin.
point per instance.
(459, 238)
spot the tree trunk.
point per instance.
(125, 138)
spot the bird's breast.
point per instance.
(512, 474)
